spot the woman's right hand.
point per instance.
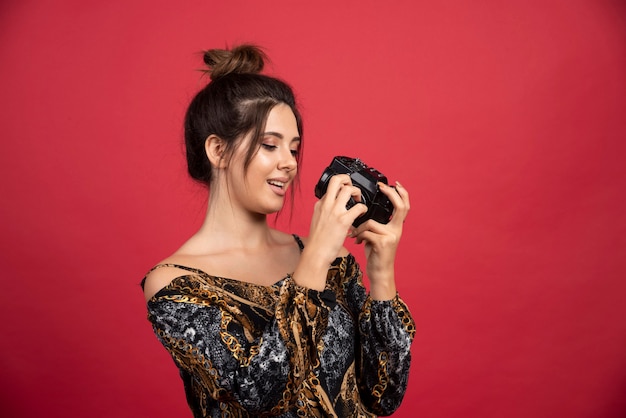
(330, 224)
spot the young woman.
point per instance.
(258, 321)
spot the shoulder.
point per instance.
(160, 276)
(177, 264)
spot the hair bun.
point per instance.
(240, 59)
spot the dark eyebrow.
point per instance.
(281, 136)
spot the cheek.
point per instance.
(261, 162)
(256, 172)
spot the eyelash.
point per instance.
(270, 147)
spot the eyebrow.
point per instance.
(281, 136)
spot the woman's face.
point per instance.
(263, 186)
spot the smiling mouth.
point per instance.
(277, 183)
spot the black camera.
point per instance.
(379, 207)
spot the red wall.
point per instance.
(505, 120)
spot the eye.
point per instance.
(269, 147)
(295, 152)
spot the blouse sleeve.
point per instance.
(385, 333)
(234, 351)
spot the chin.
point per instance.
(270, 207)
(273, 211)
(269, 210)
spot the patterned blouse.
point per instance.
(246, 350)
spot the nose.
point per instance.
(287, 161)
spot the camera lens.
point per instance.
(322, 184)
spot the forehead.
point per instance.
(282, 120)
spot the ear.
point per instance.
(215, 148)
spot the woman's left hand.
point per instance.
(381, 242)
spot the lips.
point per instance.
(278, 185)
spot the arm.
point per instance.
(386, 328)
(330, 225)
(381, 243)
(385, 331)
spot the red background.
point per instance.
(504, 119)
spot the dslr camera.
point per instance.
(379, 207)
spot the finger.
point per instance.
(354, 212)
(371, 226)
(364, 236)
(399, 197)
(336, 183)
(368, 237)
(379, 236)
(404, 194)
(347, 192)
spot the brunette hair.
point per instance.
(236, 102)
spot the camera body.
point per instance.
(379, 207)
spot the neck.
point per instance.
(226, 226)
